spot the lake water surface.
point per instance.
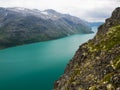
(36, 66)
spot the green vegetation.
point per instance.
(116, 63)
(101, 63)
(18, 28)
(107, 78)
(98, 60)
(106, 41)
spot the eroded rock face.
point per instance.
(96, 64)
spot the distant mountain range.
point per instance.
(21, 26)
(97, 24)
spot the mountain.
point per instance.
(96, 24)
(96, 64)
(21, 26)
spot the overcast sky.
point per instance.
(90, 10)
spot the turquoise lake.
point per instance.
(36, 66)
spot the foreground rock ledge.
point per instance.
(96, 64)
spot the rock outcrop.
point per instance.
(96, 64)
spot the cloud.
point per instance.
(99, 14)
(91, 10)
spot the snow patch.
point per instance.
(45, 13)
(19, 8)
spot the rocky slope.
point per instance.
(20, 26)
(96, 64)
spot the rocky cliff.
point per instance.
(96, 64)
(21, 26)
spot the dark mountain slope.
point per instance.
(21, 26)
(96, 64)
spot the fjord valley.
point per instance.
(96, 64)
(36, 66)
(59, 45)
(20, 26)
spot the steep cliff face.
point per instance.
(96, 64)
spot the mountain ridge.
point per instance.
(96, 64)
(20, 26)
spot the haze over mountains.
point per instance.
(20, 26)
